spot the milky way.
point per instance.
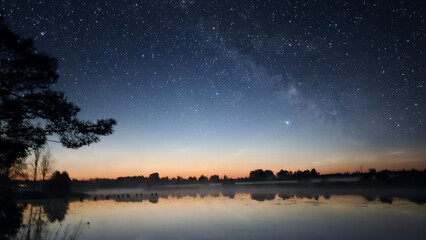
(228, 71)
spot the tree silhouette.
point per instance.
(59, 182)
(214, 179)
(46, 164)
(192, 180)
(29, 110)
(154, 178)
(203, 179)
(260, 175)
(284, 174)
(314, 173)
(34, 164)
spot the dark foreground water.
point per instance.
(248, 214)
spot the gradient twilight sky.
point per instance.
(204, 87)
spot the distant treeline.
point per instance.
(402, 178)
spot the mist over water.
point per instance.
(302, 119)
(238, 213)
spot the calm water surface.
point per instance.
(230, 215)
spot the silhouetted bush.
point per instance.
(214, 179)
(192, 180)
(203, 179)
(154, 178)
(284, 175)
(260, 175)
(391, 178)
(59, 182)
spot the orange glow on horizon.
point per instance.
(185, 173)
(234, 163)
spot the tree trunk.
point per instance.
(34, 182)
(35, 177)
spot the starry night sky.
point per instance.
(229, 86)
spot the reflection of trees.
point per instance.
(153, 199)
(285, 196)
(262, 196)
(10, 218)
(215, 194)
(327, 195)
(56, 210)
(417, 199)
(230, 195)
(40, 225)
(35, 225)
(386, 199)
(268, 194)
(370, 198)
(202, 194)
(302, 195)
(194, 195)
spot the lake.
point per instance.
(228, 213)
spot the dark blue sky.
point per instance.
(310, 83)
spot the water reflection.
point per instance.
(10, 217)
(55, 210)
(33, 219)
(371, 195)
(262, 196)
(199, 213)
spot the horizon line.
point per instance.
(221, 176)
